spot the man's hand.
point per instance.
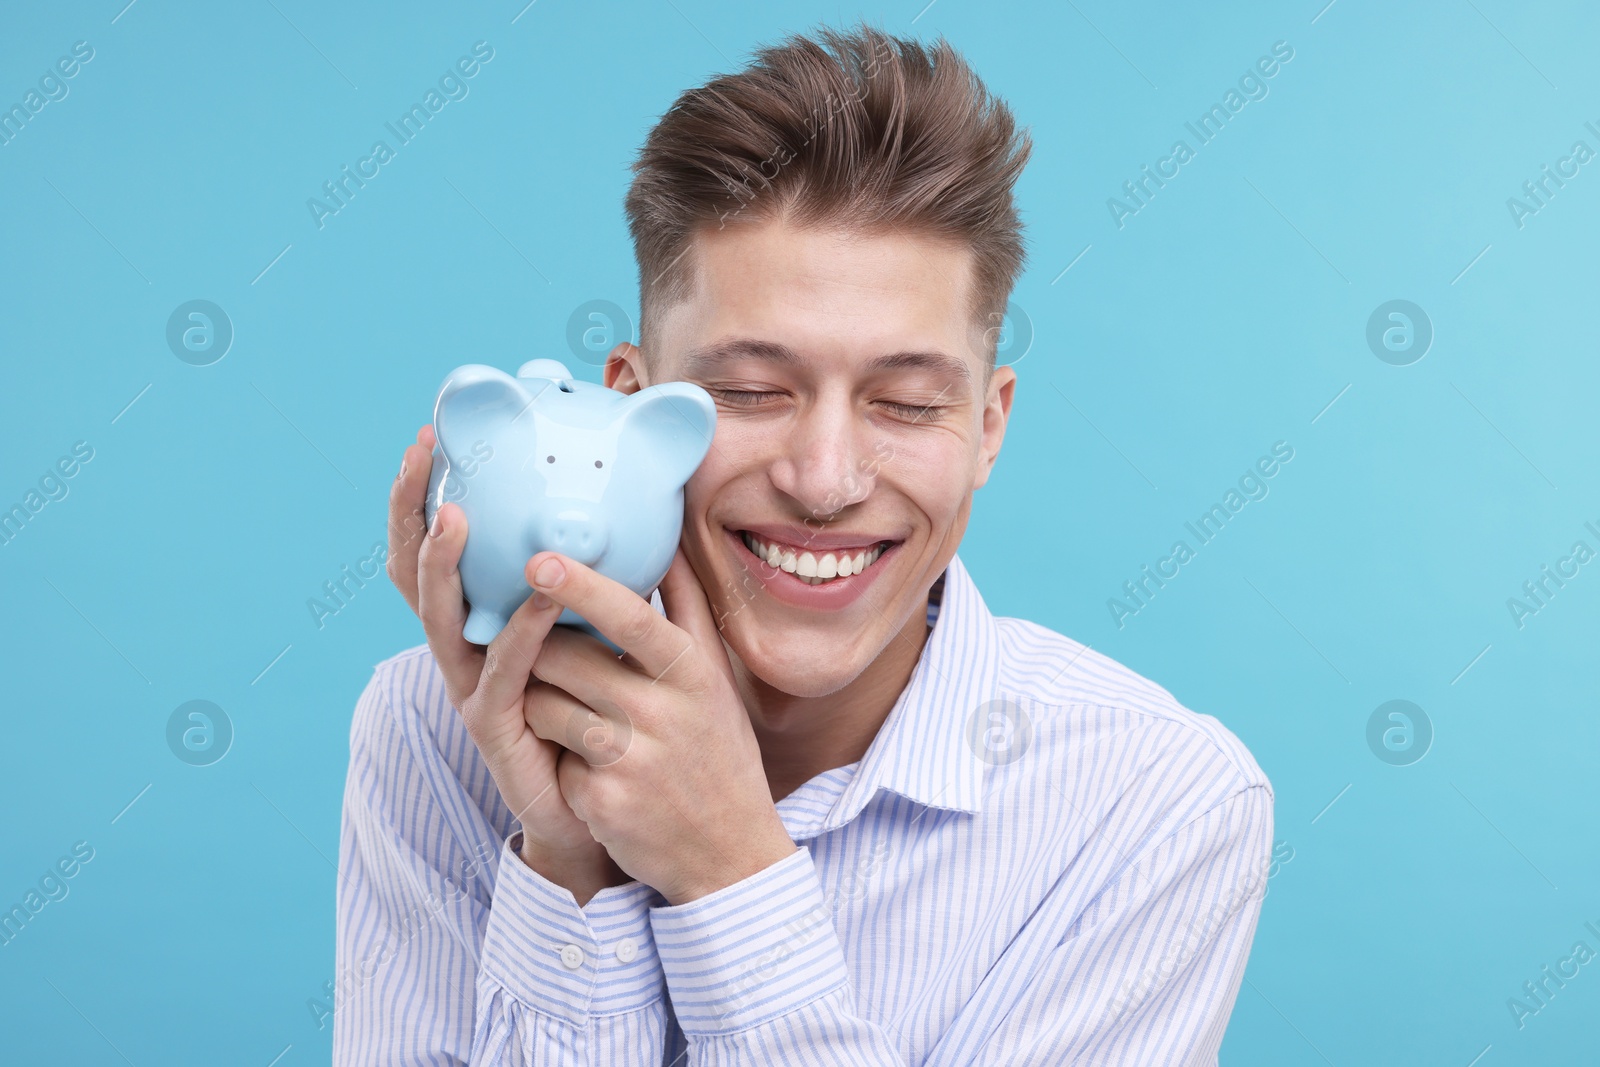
(491, 687)
(407, 524)
(668, 774)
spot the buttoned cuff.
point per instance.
(565, 961)
(751, 952)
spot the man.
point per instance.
(825, 808)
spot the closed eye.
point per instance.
(911, 412)
(914, 412)
(743, 397)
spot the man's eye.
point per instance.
(915, 412)
(742, 397)
(752, 397)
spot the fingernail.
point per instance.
(541, 601)
(549, 574)
(402, 470)
(438, 524)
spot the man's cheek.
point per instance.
(935, 474)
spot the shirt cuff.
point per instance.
(565, 961)
(751, 952)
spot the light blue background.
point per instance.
(1224, 316)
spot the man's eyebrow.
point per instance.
(950, 366)
(710, 357)
(706, 359)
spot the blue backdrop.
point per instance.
(191, 475)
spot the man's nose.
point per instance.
(820, 465)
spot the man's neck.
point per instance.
(800, 737)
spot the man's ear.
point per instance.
(996, 413)
(624, 369)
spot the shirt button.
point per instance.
(571, 957)
(627, 950)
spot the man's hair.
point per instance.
(858, 130)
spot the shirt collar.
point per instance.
(923, 752)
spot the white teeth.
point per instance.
(809, 567)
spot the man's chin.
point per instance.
(803, 681)
(799, 666)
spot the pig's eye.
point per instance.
(597, 463)
(549, 459)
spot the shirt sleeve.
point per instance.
(1147, 973)
(560, 984)
(757, 974)
(450, 953)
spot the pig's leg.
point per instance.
(483, 625)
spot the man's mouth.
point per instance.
(814, 566)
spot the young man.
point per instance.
(826, 808)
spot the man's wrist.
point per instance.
(582, 871)
(754, 857)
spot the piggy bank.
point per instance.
(546, 462)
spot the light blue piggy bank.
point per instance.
(542, 461)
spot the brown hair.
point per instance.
(857, 129)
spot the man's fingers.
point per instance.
(442, 606)
(509, 657)
(550, 711)
(622, 615)
(575, 778)
(685, 602)
(555, 715)
(585, 669)
(407, 526)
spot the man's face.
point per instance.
(853, 422)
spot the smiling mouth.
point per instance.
(814, 568)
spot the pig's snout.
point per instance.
(576, 533)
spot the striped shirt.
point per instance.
(1041, 858)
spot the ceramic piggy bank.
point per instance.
(544, 461)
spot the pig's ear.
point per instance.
(675, 421)
(474, 400)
